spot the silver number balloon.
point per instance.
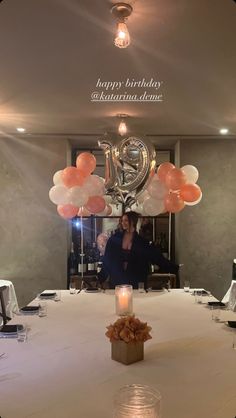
(129, 163)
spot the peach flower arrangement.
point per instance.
(129, 329)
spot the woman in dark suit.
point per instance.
(127, 256)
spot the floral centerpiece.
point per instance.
(127, 336)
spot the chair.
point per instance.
(160, 280)
(3, 313)
(10, 299)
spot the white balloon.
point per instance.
(144, 195)
(194, 203)
(137, 207)
(94, 185)
(153, 207)
(77, 196)
(59, 195)
(107, 198)
(191, 173)
(57, 179)
(116, 209)
(156, 189)
(83, 212)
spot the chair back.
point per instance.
(3, 314)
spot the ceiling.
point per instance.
(53, 52)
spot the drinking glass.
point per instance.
(198, 296)
(186, 285)
(58, 296)
(234, 340)
(43, 309)
(22, 332)
(215, 313)
(138, 401)
(141, 287)
(72, 288)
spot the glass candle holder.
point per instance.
(124, 300)
(137, 401)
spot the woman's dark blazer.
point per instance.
(141, 255)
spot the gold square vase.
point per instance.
(127, 353)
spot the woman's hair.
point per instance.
(132, 218)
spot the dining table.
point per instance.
(65, 370)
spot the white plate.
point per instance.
(8, 335)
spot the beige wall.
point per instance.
(206, 233)
(33, 248)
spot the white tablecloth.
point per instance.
(65, 369)
(9, 298)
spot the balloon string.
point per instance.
(169, 243)
(82, 246)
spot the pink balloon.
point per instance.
(195, 202)
(96, 204)
(190, 192)
(175, 179)
(67, 211)
(173, 203)
(163, 170)
(106, 212)
(86, 162)
(71, 177)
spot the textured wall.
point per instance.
(33, 248)
(206, 233)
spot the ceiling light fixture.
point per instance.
(21, 130)
(122, 128)
(224, 131)
(121, 11)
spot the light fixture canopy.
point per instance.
(122, 128)
(121, 11)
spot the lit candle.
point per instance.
(124, 301)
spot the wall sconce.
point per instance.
(121, 11)
(122, 128)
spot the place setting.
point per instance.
(54, 295)
(16, 331)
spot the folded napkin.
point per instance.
(29, 309)
(216, 303)
(92, 290)
(47, 295)
(9, 330)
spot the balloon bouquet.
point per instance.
(170, 189)
(77, 192)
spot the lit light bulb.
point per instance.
(224, 131)
(122, 37)
(122, 128)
